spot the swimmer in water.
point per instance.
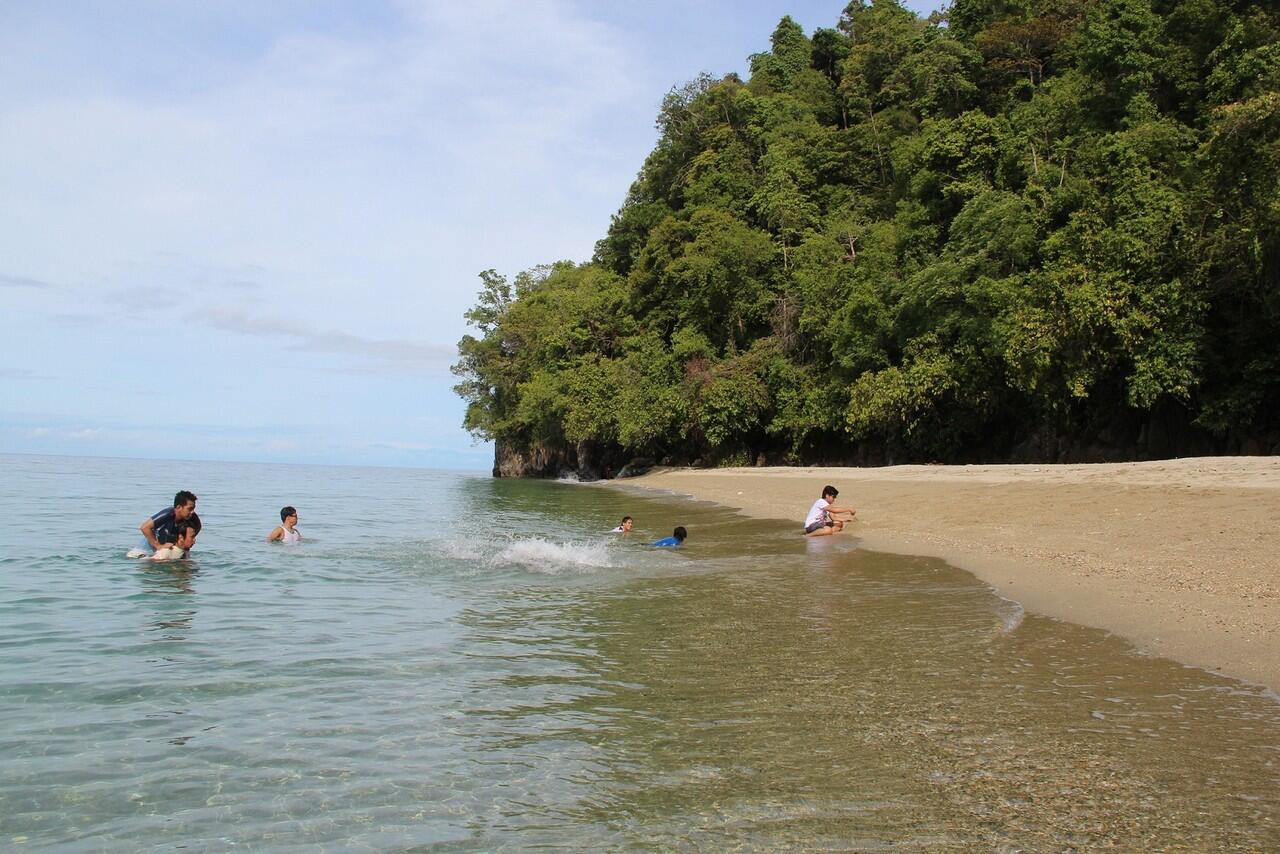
(287, 530)
(677, 538)
(625, 527)
(161, 528)
(181, 547)
(179, 540)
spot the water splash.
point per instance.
(535, 554)
(553, 558)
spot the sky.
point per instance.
(249, 231)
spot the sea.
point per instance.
(451, 662)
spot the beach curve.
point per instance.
(1182, 557)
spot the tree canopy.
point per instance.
(1018, 230)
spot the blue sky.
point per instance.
(248, 231)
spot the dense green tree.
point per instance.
(1019, 229)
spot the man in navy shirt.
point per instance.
(162, 528)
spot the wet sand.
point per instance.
(1182, 557)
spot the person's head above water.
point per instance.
(627, 523)
(829, 493)
(677, 538)
(184, 504)
(187, 534)
(286, 512)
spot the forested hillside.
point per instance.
(1022, 230)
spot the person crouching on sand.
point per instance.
(819, 522)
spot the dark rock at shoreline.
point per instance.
(636, 467)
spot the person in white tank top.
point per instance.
(287, 532)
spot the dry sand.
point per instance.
(1182, 556)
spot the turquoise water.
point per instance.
(449, 662)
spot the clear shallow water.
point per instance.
(456, 663)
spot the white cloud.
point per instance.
(11, 281)
(406, 446)
(407, 354)
(308, 178)
(412, 155)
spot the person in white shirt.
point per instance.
(181, 547)
(287, 532)
(819, 522)
(625, 527)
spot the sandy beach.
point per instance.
(1182, 557)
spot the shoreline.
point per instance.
(1181, 557)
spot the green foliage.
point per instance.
(731, 401)
(651, 411)
(788, 59)
(936, 238)
(907, 401)
(709, 272)
(1119, 47)
(589, 388)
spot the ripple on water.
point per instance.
(393, 685)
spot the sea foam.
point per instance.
(550, 557)
(531, 553)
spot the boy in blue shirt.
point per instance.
(677, 537)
